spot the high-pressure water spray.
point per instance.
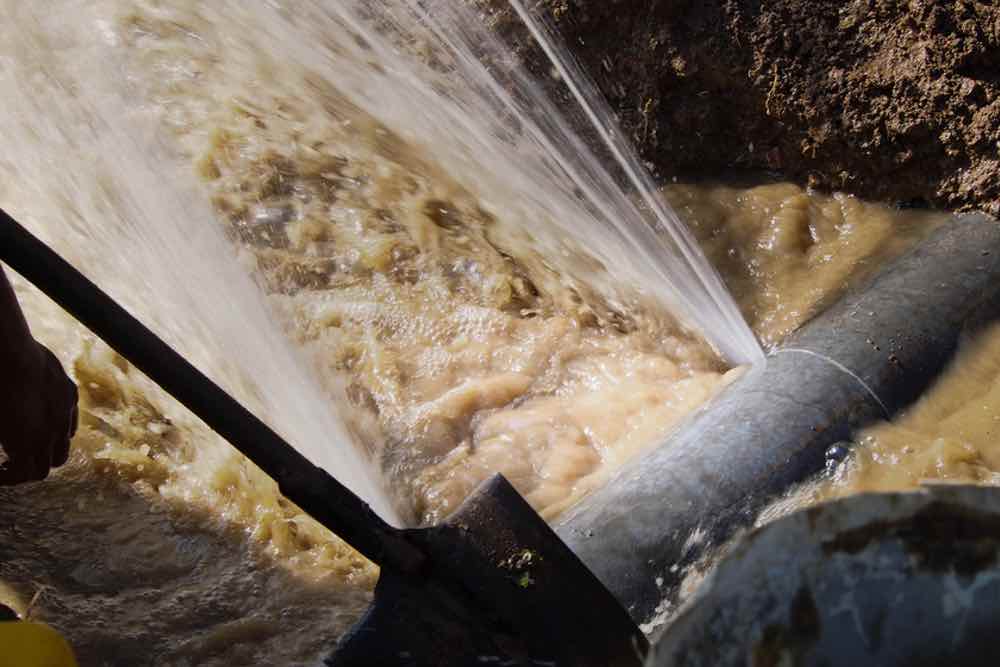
(493, 581)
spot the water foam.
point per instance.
(433, 72)
(85, 148)
(86, 171)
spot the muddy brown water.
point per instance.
(458, 349)
(950, 435)
(156, 541)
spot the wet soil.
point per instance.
(888, 99)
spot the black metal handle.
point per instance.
(306, 485)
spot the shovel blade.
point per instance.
(500, 588)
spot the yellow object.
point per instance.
(29, 644)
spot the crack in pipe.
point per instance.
(841, 367)
(862, 360)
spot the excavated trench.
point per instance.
(848, 99)
(892, 100)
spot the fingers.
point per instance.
(74, 417)
(41, 463)
(26, 468)
(11, 474)
(64, 404)
(30, 466)
(60, 451)
(39, 422)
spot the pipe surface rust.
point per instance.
(864, 359)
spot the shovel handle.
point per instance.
(308, 486)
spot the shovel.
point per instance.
(491, 585)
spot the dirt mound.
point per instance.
(883, 98)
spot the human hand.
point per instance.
(38, 416)
(38, 411)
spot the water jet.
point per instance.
(485, 582)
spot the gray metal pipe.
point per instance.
(875, 579)
(865, 358)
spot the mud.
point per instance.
(460, 357)
(889, 99)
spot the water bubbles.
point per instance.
(273, 216)
(837, 453)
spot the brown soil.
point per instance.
(888, 99)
